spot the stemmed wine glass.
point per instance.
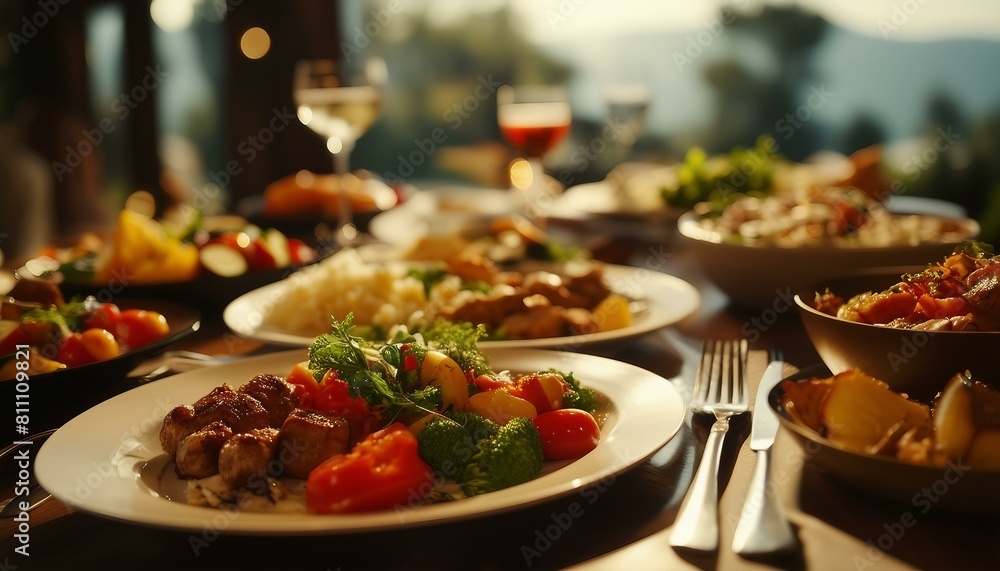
(627, 104)
(339, 103)
(533, 119)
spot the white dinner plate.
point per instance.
(444, 211)
(669, 299)
(101, 461)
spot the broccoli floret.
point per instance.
(577, 396)
(446, 446)
(513, 456)
(458, 341)
(478, 426)
(448, 443)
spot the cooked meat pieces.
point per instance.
(309, 437)
(536, 322)
(245, 460)
(518, 314)
(590, 286)
(239, 411)
(489, 311)
(277, 397)
(198, 454)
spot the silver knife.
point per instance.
(763, 527)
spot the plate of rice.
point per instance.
(546, 305)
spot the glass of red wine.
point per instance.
(533, 119)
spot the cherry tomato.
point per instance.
(73, 353)
(382, 471)
(100, 343)
(139, 327)
(544, 391)
(104, 316)
(567, 433)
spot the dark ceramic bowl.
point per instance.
(921, 488)
(918, 363)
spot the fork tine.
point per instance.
(700, 391)
(740, 382)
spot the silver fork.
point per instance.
(720, 389)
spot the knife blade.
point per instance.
(764, 424)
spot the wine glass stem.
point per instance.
(345, 226)
(536, 194)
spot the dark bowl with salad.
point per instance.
(59, 359)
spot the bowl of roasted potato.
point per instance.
(937, 454)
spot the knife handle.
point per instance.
(763, 527)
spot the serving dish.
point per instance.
(759, 277)
(669, 300)
(918, 363)
(441, 211)
(58, 396)
(207, 293)
(919, 488)
(641, 413)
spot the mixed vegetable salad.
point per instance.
(481, 429)
(72, 334)
(428, 420)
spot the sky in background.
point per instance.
(562, 20)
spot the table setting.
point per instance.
(729, 361)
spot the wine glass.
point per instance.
(339, 103)
(627, 104)
(533, 119)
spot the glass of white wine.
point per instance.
(340, 105)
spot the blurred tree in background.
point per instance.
(445, 78)
(749, 101)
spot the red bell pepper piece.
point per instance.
(383, 470)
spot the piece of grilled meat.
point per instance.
(198, 454)
(278, 397)
(309, 437)
(239, 411)
(246, 459)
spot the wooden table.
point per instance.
(621, 524)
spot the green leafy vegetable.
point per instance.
(513, 456)
(65, 319)
(446, 446)
(458, 341)
(369, 374)
(977, 250)
(429, 277)
(720, 180)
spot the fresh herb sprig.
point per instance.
(370, 372)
